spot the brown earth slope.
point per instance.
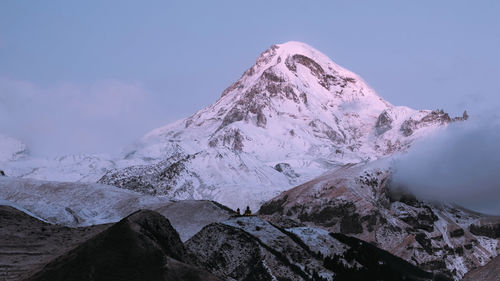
(26, 244)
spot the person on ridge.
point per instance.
(248, 212)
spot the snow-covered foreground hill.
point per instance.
(69, 168)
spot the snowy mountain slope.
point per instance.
(69, 168)
(84, 204)
(75, 204)
(357, 200)
(16, 161)
(292, 116)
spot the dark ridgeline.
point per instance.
(142, 246)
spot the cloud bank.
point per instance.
(460, 164)
(68, 118)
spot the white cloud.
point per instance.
(71, 118)
(460, 164)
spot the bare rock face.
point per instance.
(142, 246)
(435, 117)
(358, 200)
(152, 179)
(384, 123)
(491, 230)
(286, 169)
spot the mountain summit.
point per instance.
(290, 117)
(294, 101)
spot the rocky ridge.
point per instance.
(358, 200)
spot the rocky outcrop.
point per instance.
(160, 178)
(384, 123)
(487, 230)
(286, 169)
(435, 117)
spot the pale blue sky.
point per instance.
(148, 63)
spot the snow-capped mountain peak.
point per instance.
(301, 65)
(296, 98)
(291, 116)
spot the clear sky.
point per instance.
(90, 76)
